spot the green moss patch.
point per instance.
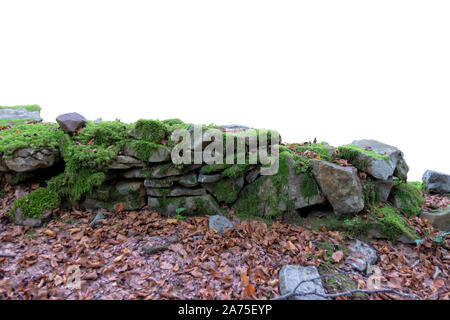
(352, 153)
(33, 204)
(29, 135)
(150, 130)
(407, 196)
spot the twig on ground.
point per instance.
(437, 271)
(343, 293)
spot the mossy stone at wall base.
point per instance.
(197, 205)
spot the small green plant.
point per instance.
(150, 130)
(180, 210)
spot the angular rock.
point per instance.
(70, 122)
(252, 175)
(226, 190)
(169, 169)
(383, 189)
(233, 128)
(20, 114)
(31, 222)
(28, 159)
(340, 185)
(189, 180)
(95, 222)
(175, 192)
(219, 223)
(197, 205)
(209, 178)
(439, 219)
(291, 275)
(379, 168)
(271, 195)
(160, 183)
(126, 162)
(436, 182)
(361, 256)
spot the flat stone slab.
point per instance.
(20, 114)
(291, 275)
(439, 219)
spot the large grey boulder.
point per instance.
(196, 205)
(219, 223)
(381, 168)
(361, 256)
(20, 114)
(70, 122)
(439, 218)
(291, 275)
(436, 182)
(270, 195)
(29, 159)
(340, 185)
(225, 190)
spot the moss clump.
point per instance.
(352, 154)
(31, 107)
(320, 149)
(33, 204)
(408, 197)
(370, 194)
(150, 130)
(145, 149)
(392, 225)
(225, 190)
(74, 184)
(28, 135)
(235, 171)
(385, 221)
(308, 187)
(215, 167)
(105, 134)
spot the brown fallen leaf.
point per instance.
(337, 256)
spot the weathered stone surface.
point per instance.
(126, 162)
(175, 192)
(252, 175)
(291, 275)
(95, 222)
(219, 223)
(160, 183)
(209, 178)
(169, 169)
(383, 188)
(233, 128)
(189, 180)
(31, 222)
(439, 219)
(70, 122)
(267, 196)
(158, 154)
(198, 205)
(130, 193)
(340, 185)
(361, 256)
(139, 173)
(28, 159)
(19, 114)
(436, 182)
(226, 190)
(382, 169)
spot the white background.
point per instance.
(335, 70)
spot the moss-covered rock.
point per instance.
(288, 190)
(35, 208)
(197, 205)
(226, 190)
(150, 130)
(407, 197)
